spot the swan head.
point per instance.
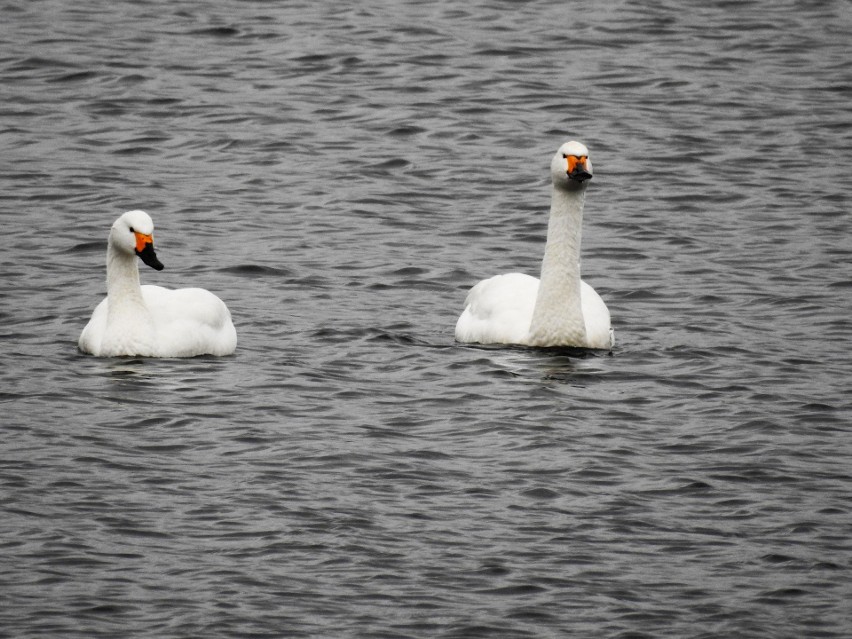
(133, 233)
(571, 167)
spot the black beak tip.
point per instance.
(580, 176)
(148, 256)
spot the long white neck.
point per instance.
(129, 325)
(128, 318)
(123, 288)
(558, 315)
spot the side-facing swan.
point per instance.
(559, 309)
(152, 321)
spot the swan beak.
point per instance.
(577, 168)
(145, 250)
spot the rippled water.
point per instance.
(341, 173)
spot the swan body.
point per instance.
(152, 321)
(558, 309)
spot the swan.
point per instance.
(152, 321)
(559, 309)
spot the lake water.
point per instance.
(340, 174)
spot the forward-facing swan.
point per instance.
(152, 321)
(560, 309)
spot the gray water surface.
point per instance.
(341, 174)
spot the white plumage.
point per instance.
(152, 321)
(559, 309)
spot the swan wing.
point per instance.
(93, 332)
(498, 310)
(599, 333)
(190, 321)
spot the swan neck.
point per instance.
(123, 289)
(558, 315)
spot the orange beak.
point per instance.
(142, 240)
(575, 162)
(145, 250)
(578, 168)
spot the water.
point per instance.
(341, 173)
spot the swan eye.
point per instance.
(131, 230)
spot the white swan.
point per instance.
(560, 309)
(152, 321)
